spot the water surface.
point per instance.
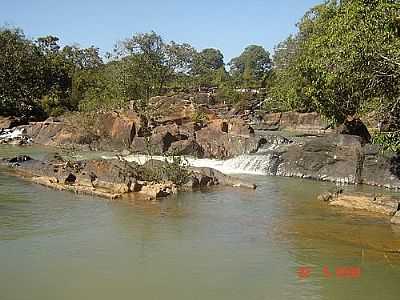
(221, 244)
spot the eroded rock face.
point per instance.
(293, 121)
(380, 169)
(332, 158)
(217, 143)
(187, 148)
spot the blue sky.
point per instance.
(223, 24)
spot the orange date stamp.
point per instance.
(349, 272)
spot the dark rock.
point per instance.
(380, 169)
(335, 158)
(20, 159)
(354, 126)
(71, 178)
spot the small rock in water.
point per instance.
(20, 159)
(325, 197)
(396, 218)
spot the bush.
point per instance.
(174, 169)
(389, 141)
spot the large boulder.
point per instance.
(303, 122)
(333, 158)
(158, 190)
(269, 121)
(116, 129)
(219, 144)
(239, 127)
(354, 126)
(186, 147)
(45, 133)
(202, 177)
(380, 169)
(177, 109)
(161, 138)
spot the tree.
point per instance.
(148, 64)
(349, 57)
(251, 67)
(21, 73)
(208, 67)
(286, 86)
(207, 60)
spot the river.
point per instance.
(277, 242)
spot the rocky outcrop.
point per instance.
(311, 123)
(380, 169)
(217, 143)
(354, 126)
(10, 122)
(114, 178)
(207, 177)
(331, 158)
(377, 204)
(178, 127)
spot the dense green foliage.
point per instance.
(345, 60)
(40, 77)
(251, 67)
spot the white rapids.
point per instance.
(255, 164)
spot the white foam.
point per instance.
(11, 133)
(243, 164)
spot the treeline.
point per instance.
(343, 61)
(40, 77)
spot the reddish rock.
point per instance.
(186, 147)
(240, 128)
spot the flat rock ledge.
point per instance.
(378, 204)
(111, 179)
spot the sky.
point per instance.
(229, 25)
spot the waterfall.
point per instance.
(255, 164)
(264, 162)
(9, 134)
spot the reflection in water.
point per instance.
(220, 244)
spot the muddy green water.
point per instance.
(220, 244)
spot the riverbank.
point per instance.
(221, 243)
(223, 139)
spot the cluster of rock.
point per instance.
(379, 204)
(174, 128)
(332, 157)
(183, 125)
(311, 123)
(113, 178)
